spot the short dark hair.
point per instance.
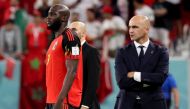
(10, 21)
(92, 10)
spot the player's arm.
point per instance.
(72, 58)
(174, 91)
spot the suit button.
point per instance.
(138, 97)
(146, 85)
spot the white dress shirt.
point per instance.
(82, 42)
(137, 75)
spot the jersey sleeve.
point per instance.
(71, 44)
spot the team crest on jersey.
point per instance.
(55, 45)
(75, 50)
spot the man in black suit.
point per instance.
(141, 68)
(91, 68)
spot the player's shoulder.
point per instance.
(70, 39)
(69, 34)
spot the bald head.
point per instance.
(139, 28)
(143, 20)
(80, 28)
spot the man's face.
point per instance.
(53, 20)
(90, 15)
(106, 15)
(37, 19)
(137, 30)
(9, 26)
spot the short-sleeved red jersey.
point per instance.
(62, 48)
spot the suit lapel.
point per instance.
(149, 53)
(133, 55)
(84, 50)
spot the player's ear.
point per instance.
(64, 18)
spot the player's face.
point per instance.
(136, 30)
(53, 20)
(90, 15)
(9, 26)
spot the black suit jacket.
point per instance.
(91, 72)
(154, 69)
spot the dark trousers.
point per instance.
(137, 104)
(50, 106)
(168, 103)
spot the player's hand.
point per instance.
(130, 74)
(84, 107)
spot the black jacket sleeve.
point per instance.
(160, 73)
(93, 72)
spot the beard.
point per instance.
(55, 26)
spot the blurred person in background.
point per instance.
(37, 34)
(75, 16)
(28, 5)
(111, 3)
(142, 9)
(186, 21)
(171, 92)
(83, 5)
(176, 33)
(113, 29)
(91, 68)
(72, 4)
(4, 4)
(20, 16)
(123, 8)
(33, 90)
(11, 10)
(176, 15)
(163, 21)
(10, 40)
(93, 27)
(80, 6)
(44, 8)
(149, 2)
